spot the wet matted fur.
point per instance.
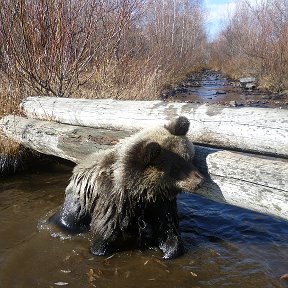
(126, 195)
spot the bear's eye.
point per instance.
(180, 168)
(152, 151)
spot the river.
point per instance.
(225, 246)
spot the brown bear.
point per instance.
(126, 195)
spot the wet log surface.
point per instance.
(260, 130)
(244, 180)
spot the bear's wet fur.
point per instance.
(126, 196)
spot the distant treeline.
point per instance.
(255, 43)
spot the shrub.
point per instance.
(255, 43)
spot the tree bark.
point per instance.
(260, 130)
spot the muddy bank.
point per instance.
(28, 161)
(213, 88)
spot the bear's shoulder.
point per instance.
(96, 159)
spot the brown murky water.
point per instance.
(226, 246)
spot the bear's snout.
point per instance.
(191, 182)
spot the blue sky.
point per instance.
(217, 14)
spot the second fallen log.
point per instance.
(261, 130)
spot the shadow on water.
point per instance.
(259, 237)
(241, 230)
(226, 246)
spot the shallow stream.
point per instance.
(213, 88)
(226, 246)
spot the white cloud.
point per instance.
(217, 16)
(218, 13)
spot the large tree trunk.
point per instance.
(254, 182)
(66, 141)
(261, 130)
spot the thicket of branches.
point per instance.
(96, 48)
(255, 42)
(53, 47)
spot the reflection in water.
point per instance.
(226, 246)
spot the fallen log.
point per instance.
(65, 141)
(261, 130)
(248, 181)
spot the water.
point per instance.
(226, 246)
(213, 88)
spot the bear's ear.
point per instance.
(151, 152)
(179, 126)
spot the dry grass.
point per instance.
(10, 98)
(64, 48)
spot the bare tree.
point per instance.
(53, 46)
(255, 42)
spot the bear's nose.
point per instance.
(191, 182)
(199, 177)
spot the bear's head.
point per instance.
(157, 162)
